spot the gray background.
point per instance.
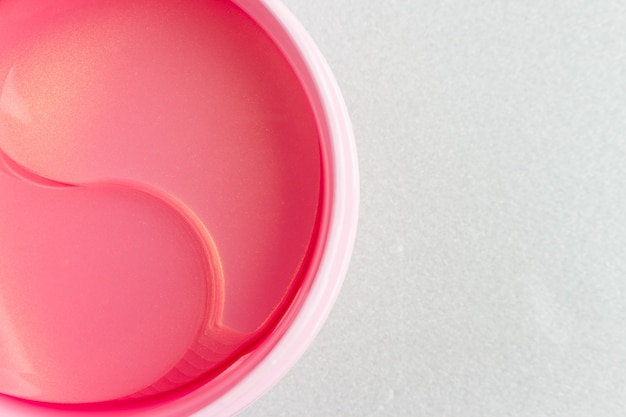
(488, 277)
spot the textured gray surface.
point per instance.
(489, 273)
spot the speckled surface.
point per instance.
(489, 276)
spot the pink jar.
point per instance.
(180, 201)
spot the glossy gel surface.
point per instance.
(160, 181)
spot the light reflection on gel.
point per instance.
(11, 103)
(159, 188)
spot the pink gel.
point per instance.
(159, 193)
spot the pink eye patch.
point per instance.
(160, 183)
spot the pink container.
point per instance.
(178, 204)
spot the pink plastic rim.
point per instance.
(301, 324)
